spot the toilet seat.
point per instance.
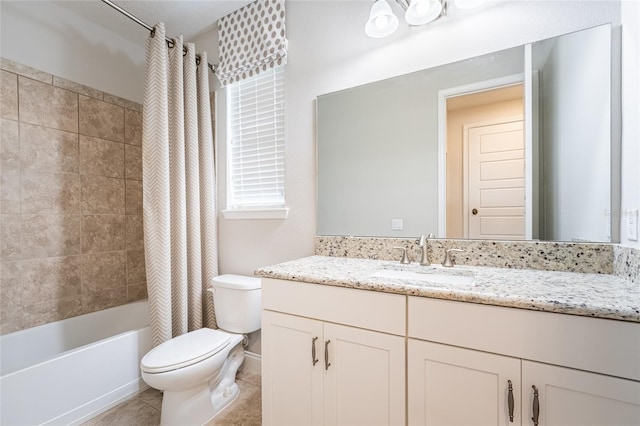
(184, 350)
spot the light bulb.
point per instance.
(422, 8)
(381, 21)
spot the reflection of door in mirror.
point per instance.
(485, 182)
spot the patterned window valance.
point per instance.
(250, 40)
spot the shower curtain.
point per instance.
(179, 211)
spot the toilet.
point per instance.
(197, 370)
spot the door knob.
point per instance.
(474, 212)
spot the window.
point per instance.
(255, 179)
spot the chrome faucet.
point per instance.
(424, 245)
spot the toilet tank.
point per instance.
(237, 301)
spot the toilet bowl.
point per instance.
(196, 371)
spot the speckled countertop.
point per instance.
(592, 295)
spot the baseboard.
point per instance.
(252, 363)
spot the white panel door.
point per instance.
(364, 382)
(569, 397)
(495, 184)
(448, 385)
(291, 383)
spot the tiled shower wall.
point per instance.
(70, 199)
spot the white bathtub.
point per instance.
(69, 371)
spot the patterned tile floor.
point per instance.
(144, 410)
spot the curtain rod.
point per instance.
(149, 27)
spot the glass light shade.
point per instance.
(468, 4)
(422, 12)
(382, 22)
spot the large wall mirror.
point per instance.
(511, 145)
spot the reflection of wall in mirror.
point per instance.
(575, 90)
(497, 104)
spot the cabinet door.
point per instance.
(572, 397)
(448, 385)
(364, 382)
(291, 383)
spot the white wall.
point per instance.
(46, 36)
(630, 112)
(576, 137)
(328, 51)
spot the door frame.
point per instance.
(443, 95)
(465, 166)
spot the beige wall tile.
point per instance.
(10, 297)
(48, 149)
(32, 73)
(122, 102)
(9, 188)
(10, 284)
(101, 195)
(136, 272)
(103, 233)
(97, 300)
(133, 162)
(9, 143)
(78, 88)
(8, 95)
(52, 193)
(50, 235)
(101, 157)
(103, 271)
(52, 278)
(101, 119)
(133, 127)
(134, 197)
(136, 292)
(10, 246)
(50, 310)
(46, 105)
(135, 232)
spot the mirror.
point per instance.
(482, 148)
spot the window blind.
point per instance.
(256, 141)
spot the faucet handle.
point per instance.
(405, 256)
(448, 261)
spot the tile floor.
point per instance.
(144, 410)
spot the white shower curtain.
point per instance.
(179, 211)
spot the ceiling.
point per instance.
(185, 17)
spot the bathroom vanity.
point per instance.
(358, 341)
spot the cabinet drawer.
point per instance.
(591, 344)
(359, 308)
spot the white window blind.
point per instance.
(256, 141)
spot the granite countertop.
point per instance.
(592, 295)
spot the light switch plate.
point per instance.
(396, 224)
(632, 225)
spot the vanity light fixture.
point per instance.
(382, 22)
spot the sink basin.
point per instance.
(428, 277)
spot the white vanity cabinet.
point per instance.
(457, 373)
(332, 355)
(448, 385)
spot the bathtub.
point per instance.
(69, 371)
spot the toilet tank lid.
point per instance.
(237, 282)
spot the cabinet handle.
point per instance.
(536, 406)
(510, 401)
(326, 355)
(313, 351)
